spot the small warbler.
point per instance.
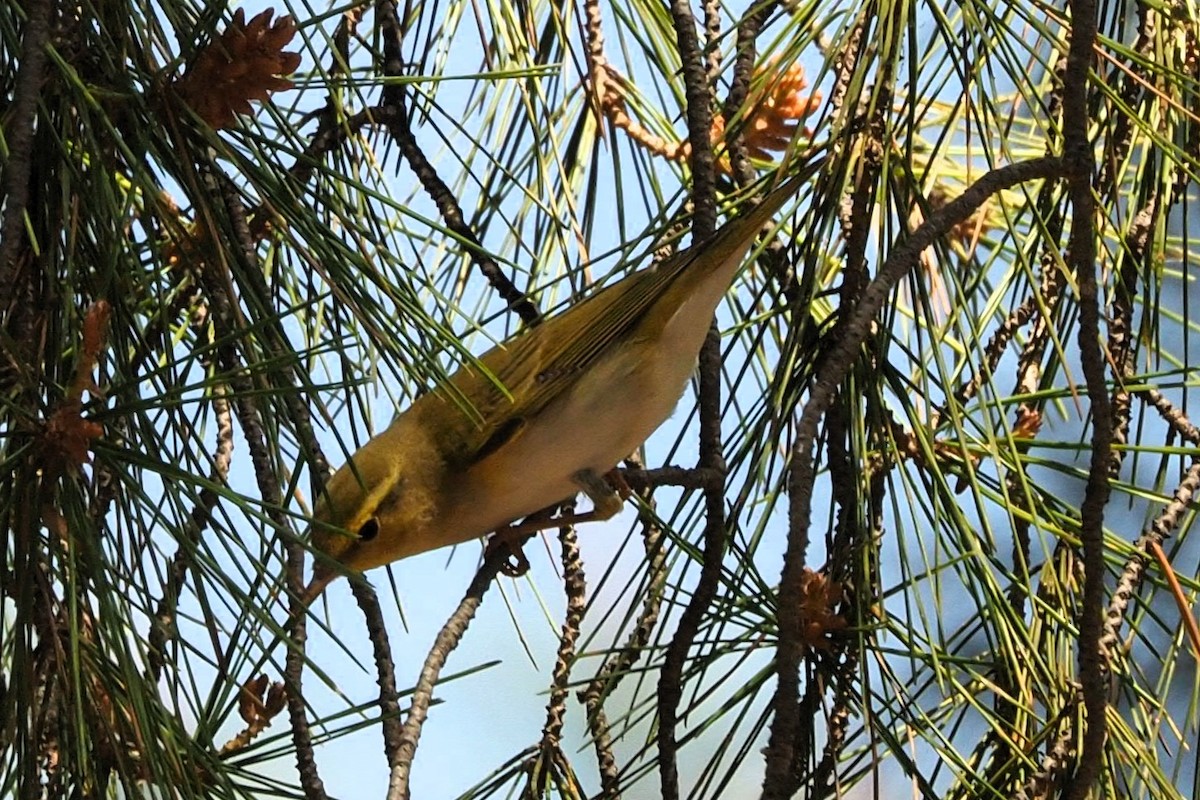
(580, 392)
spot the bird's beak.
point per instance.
(324, 573)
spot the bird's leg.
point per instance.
(616, 480)
(606, 499)
(512, 539)
(607, 493)
(606, 502)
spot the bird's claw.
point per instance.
(515, 563)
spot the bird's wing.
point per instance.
(532, 368)
(551, 356)
(537, 365)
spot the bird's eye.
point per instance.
(369, 530)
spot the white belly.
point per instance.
(608, 414)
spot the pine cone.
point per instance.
(242, 64)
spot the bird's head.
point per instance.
(378, 507)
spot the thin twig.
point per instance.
(1053, 767)
(447, 639)
(852, 53)
(1134, 571)
(575, 588)
(1122, 338)
(385, 666)
(400, 128)
(549, 764)
(1017, 481)
(1174, 417)
(1079, 160)
(18, 136)
(225, 321)
(164, 627)
(618, 664)
(855, 213)
(832, 371)
(699, 97)
(274, 339)
(293, 676)
(683, 477)
(739, 89)
(670, 682)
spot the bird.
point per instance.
(537, 419)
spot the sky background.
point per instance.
(482, 719)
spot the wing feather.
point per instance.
(489, 402)
(529, 370)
